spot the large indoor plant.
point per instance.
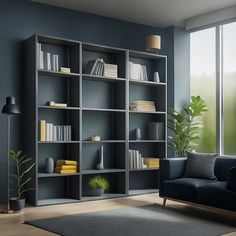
(185, 125)
(98, 185)
(22, 166)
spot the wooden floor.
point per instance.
(11, 224)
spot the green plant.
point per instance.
(20, 171)
(185, 125)
(98, 182)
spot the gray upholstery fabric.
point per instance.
(200, 165)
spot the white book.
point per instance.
(130, 167)
(136, 159)
(47, 131)
(49, 66)
(132, 159)
(51, 132)
(70, 134)
(54, 133)
(140, 161)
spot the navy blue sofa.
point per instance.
(214, 193)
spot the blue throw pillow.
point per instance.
(200, 165)
(231, 183)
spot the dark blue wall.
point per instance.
(21, 19)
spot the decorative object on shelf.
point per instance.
(135, 160)
(95, 138)
(151, 162)
(138, 134)
(49, 165)
(66, 167)
(98, 185)
(156, 77)
(65, 69)
(153, 43)
(141, 105)
(185, 126)
(53, 133)
(56, 104)
(137, 72)
(10, 108)
(110, 70)
(100, 165)
(156, 130)
(23, 167)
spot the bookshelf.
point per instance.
(95, 105)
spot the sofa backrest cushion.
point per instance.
(222, 166)
(231, 181)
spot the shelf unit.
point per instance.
(97, 105)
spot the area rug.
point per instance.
(147, 220)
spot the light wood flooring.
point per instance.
(11, 224)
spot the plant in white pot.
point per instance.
(98, 185)
(22, 168)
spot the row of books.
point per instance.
(47, 60)
(66, 167)
(137, 71)
(142, 105)
(136, 161)
(51, 133)
(99, 67)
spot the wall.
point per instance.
(21, 19)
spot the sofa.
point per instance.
(217, 193)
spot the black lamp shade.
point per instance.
(10, 108)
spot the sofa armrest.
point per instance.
(170, 168)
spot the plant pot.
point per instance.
(17, 204)
(96, 192)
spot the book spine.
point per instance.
(49, 66)
(42, 130)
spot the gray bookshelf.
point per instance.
(96, 105)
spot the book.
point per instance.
(137, 72)
(110, 70)
(66, 167)
(65, 69)
(67, 162)
(42, 130)
(48, 64)
(56, 104)
(66, 171)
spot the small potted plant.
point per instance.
(98, 185)
(22, 168)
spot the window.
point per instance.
(203, 83)
(214, 50)
(229, 87)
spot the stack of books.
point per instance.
(110, 70)
(137, 72)
(98, 67)
(135, 160)
(152, 162)
(141, 105)
(66, 167)
(48, 132)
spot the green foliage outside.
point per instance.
(22, 167)
(98, 182)
(185, 126)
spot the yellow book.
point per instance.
(66, 162)
(42, 130)
(66, 171)
(66, 167)
(152, 166)
(65, 69)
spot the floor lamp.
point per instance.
(9, 109)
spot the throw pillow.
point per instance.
(231, 183)
(200, 165)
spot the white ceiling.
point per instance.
(158, 13)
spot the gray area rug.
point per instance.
(139, 221)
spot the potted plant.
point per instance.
(98, 185)
(22, 167)
(185, 126)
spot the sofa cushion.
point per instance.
(200, 165)
(231, 182)
(184, 188)
(217, 195)
(222, 166)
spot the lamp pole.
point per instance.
(10, 108)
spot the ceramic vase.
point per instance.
(49, 165)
